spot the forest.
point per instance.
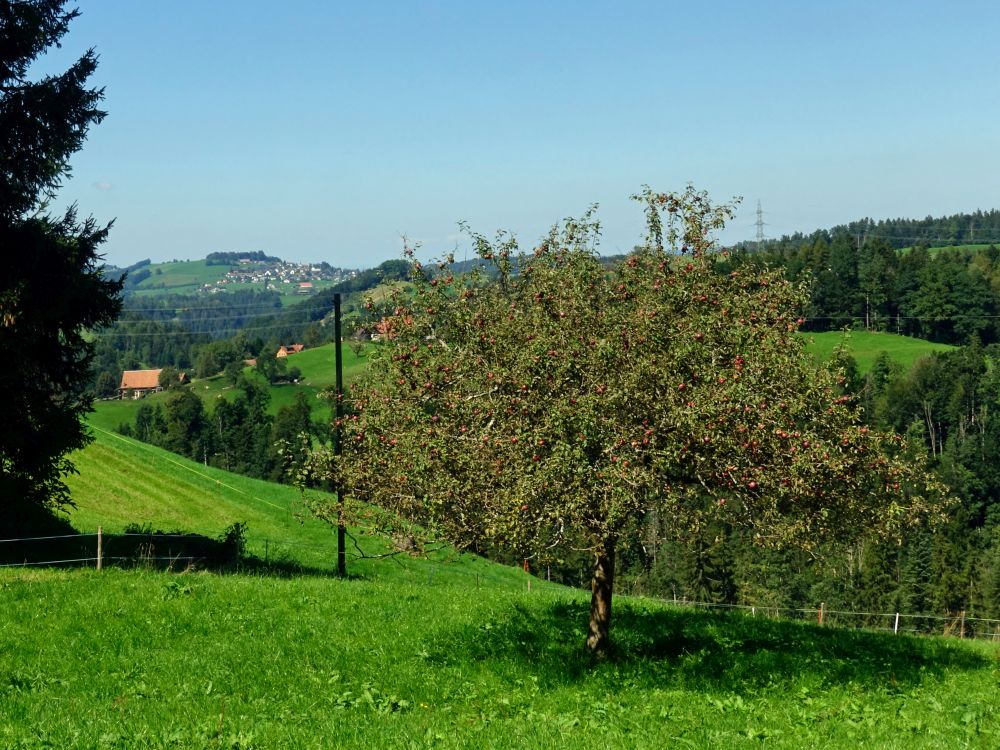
(949, 295)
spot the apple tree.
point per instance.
(559, 404)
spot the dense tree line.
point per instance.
(948, 407)
(236, 434)
(949, 296)
(233, 258)
(982, 227)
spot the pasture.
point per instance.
(449, 652)
(865, 347)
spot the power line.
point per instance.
(185, 308)
(208, 332)
(760, 226)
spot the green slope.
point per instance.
(865, 347)
(190, 276)
(318, 372)
(180, 277)
(123, 481)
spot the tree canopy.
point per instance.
(566, 406)
(51, 286)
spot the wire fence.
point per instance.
(140, 548)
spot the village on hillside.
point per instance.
(251, 271)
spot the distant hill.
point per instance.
(222, 272)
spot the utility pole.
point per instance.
(760, 227)
(337, 438)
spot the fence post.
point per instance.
(819, 613)
(895, 627)
(961, 630)
(100, 546)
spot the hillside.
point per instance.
(317, 366)
(865, 346)
(191, 277)
(122, 481)
(318, 372)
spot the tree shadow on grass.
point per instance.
(710, 651)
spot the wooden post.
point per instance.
(337, 435)
(895, 627)
(529, 585)
(961, 629)
(819, 614)
(100, 546)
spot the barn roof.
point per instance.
(134, 379)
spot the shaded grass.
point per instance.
(698, 650)
(143, 659)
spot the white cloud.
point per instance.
(103, 185)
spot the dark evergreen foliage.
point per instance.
(52, 285)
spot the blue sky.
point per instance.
(326, 130)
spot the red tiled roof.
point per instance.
(134, 379)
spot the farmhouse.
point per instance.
(284, 351)
(139, 382)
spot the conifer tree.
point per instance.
(52, 289)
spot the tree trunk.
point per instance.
(601, 587)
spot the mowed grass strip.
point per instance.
(123, 481)
(865, 347)
(124, 659)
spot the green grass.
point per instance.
(451, 652)
(180, 277)
(865, 347)
(121, 481)
(318, 373)
(125, 659)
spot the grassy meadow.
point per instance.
(127, 659)
(865, 346)
(449, 652)
(180, 277)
